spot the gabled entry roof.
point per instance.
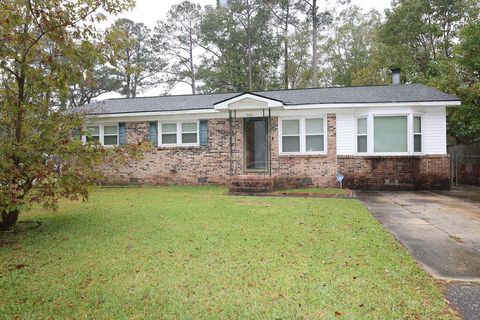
(408, 93)
(248, 100)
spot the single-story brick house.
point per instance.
(378, 137)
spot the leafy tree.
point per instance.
(40, 161)
(178, 37)
(94, 82)
(348, 50)
(299, 61)
(133, 60)
(318, 19)
(94, 78)
(241, 52)
(420, 36)
(464, 122)
(286, 16)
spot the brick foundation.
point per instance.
(395, 172)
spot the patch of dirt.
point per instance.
(253, 203)
(7, 243)
(456, 239)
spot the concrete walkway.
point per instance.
(441, 230)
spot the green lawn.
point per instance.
(196, 253)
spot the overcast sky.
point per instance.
(149, 11)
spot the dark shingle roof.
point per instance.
(332, 95)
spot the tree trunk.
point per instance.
(285, 50)
(9, 219)
(314, 44)
(192, 67)
(249, 44)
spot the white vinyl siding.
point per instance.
(346, 134)
(433, 129)
(434, 132)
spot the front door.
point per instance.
(255, 144)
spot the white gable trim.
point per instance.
(235, 103)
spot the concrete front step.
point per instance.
(251, 184)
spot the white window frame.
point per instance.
(101, 133)
(362, 134)
(160, 134)
(409, 130)
(371, 133)
(418, 134)
(179, 134)
(110, 135)
(299, 135)
(303, 135)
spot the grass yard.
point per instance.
(196, 253)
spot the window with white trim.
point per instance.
(106, 135)
(179, 133)
(94, 134)
(304, 135)
(189, 133)
(314, 135)
(169, 133)
(110, 135)
(390, 134)
(417, 134)
(291, 136)
(362, 135)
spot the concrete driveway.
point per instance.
(441, 230)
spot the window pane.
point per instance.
(169, 138)
(94, 130)
(314, 143)
(314, 126)
(417, 143)
(189, 138)
(110, 140)
(290, 144)
(169, 127)
(93, 138)
(290, 127)
(362, 126)
(390, 134)
(417, 125)
(110, 130)
(189, 127)
(362, 144)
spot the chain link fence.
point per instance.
(465, 164)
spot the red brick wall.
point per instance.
(176, 165)
(395, 172)
(322, 169)
(191, 165)
(215, 164)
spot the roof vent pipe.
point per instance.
(395, 76)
